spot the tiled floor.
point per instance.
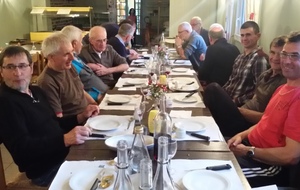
(11, 170)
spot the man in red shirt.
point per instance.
(266, 148)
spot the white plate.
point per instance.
(142, 49)
(182, 99)
(179, 62)
(112, 141)
(139, 61)
(190, 125)
(104, 123)
(83, 180)
(185, 88)
(119, 99)
(136, 81)
(180, 70)
(205, 180)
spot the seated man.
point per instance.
(219, 57)
(60, 80)
(248, 66)
(193, 46)
(231, 119)
(93, 85)
(275, 141)
(102, 58)
(196, 24)
(37, 140)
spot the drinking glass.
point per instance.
(172, 151)
(33, 46)
(139, 111)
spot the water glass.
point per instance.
(146, 174)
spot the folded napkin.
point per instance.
(135, 99)
(137, 71)
(180, 96)
(269, 187)
(130, 88)
(180, 114)
(121, 130)
(179, 171)
(211, 128)
(180, 62)
(127, 81)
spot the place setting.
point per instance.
(183, 84)
(105, 126)
(120, 102)
(191, 99)
(130, 84)
(182, 71)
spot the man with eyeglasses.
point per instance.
(190, 45)
(265, 149)
(196, 23)
(37, 140)
(102, 58)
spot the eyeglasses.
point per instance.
(291, 56)
(12, 67)
(179, 32)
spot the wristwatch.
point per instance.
(250, 152)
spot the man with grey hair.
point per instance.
(193, 46)
(125, 34)
(196, 24)
(102, 58)
(219, 58)
(93, 85)
(60, 80)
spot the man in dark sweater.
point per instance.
(37, 140)
(219, 58)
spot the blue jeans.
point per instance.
(46, 178)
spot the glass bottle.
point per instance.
(162, 41)
(163, 124)
(162, 179)
(123, 181)
(138, 149)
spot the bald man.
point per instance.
(190, 45)
(196, 23)
(219, 58)
(102, 58)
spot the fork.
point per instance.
(129, 122)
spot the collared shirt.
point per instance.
(120, 38)
(267, 83)
(245, 72)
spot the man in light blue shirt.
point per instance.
(190, 45)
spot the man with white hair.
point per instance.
(219, 57)
(101, 57)
(93, 85)
(193, 46)
(60, 80)
(196, 24)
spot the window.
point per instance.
(138, 16)
(228, 18)
(240, 18)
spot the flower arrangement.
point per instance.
(156, 90)
(162, 52)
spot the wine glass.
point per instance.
(144, 90)
(33, 46)
(139, 111)
(172, 151)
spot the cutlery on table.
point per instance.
(214, 168)
(190, 83)
(97, 180)
(114, 104)
(189, 95)
(97, 135)
(205, 138)
(129, 122)
(127, 85)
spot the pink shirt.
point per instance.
(281, 119)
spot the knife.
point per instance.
(95, 184)
(189, 95)
(98, 135)
(114, 104)
(215, 168)
(127, 85)
(206, 138)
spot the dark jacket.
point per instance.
(219, 58)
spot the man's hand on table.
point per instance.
(77, 135)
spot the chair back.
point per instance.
(2, 176)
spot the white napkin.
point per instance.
(123, 81)
(180, 114)
(269, 187)
(70, 168)
(129, 88)
(177, 104)
(180, 62)
(212, 130)
(189, 72)
(121, 130)
(179, 171)
(182, 81)
(135, 99)
(137, 71)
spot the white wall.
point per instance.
(14, 20)
(181, 11)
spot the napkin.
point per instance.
(211, 128)
(269, 187)
(135, 99)
(181, 62)
(188, 72)
(123, 81)
(130, 88)
(135, 71)
(179, 171)
(180, 114)
(177, 104)
(121, 130)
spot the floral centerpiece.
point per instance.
(156, 89)
(162, 52)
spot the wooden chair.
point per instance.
(20, 182)
(39, 64)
